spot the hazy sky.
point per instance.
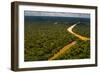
(57, 14)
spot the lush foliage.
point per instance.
(45, 38)
(80, 51)
(83, 29)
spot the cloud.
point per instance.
(56, 14)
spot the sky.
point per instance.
(56, 14)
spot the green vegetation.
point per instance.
(82, 29)
(80, 51)
(45, 38)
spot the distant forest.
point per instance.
(55, 19)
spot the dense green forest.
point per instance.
(80, 51)
(83, 29)
(45, 38)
